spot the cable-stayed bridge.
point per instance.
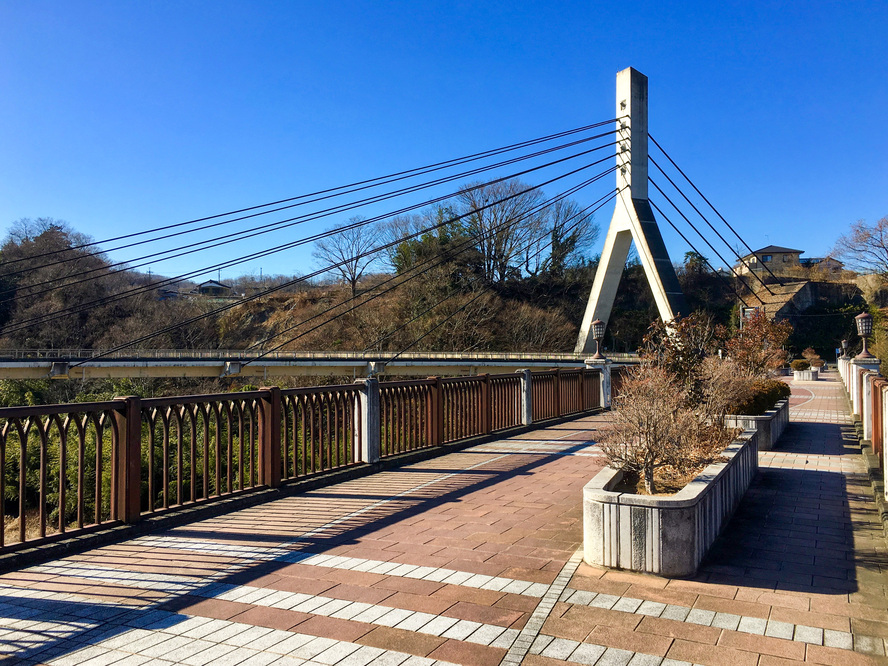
(570, 161)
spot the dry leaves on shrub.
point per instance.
(656, 434)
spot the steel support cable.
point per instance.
(703, 196)
(359, 185)
(456, 249)
(705, 240)
(585, 212)
(259, 231)
(685, 239)
(603, 200)
(227, 264)
(283, 224)
(709, 224)
(326, 269)
(709, 203)
(438, 325)
(428, 265)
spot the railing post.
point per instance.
(270, 437)
(526, 397)
(604, 377)
(371, 427)
(128, 469)
(558, 409)
(437, 412)
(583, 407)
(486, 405)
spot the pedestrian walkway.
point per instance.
(474, 558)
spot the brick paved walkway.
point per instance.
(472, 558)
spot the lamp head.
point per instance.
(864, 323)
(598, 327)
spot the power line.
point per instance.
(328, 268)
(703, 196)
(286, 246)
(359, 185)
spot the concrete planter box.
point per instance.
(805, 375)
(666, 535)
(769, 425)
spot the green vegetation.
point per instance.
(763, 395)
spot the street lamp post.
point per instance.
(844, 349)
(864, 323)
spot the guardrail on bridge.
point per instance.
(74, 468)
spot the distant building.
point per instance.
(779, 260)
(166, 294)
(827, 264)
(213, 288)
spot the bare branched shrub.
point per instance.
(650, 424)
(724, 384)
(812, 357)
(758, 347)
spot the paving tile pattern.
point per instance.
(474, 558)
(444, 561)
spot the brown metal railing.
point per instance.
(198, 447)
(77, 467)
(407, 416)
(57, 467)
(466, 407)
(563, 392)
(505, 398)
(321, 429)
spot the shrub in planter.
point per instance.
(813, 358)
(800, 365)
(764, 394)
(654, 433)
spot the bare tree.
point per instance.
(569, 234)
(350, 252)
(865, 247)
(504, 217)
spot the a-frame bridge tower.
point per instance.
(633, 219)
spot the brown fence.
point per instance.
(320, 429)
(564, 392)
(198, 447)
(58, 469)
(407, 416)
(74, 468)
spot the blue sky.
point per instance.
(122, 116)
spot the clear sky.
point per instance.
(121, 116)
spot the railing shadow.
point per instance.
(81, 629)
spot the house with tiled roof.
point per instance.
(779, 260)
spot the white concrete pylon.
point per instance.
(633, 219)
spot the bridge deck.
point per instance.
(472, 558)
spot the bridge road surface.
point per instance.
(472, 558)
